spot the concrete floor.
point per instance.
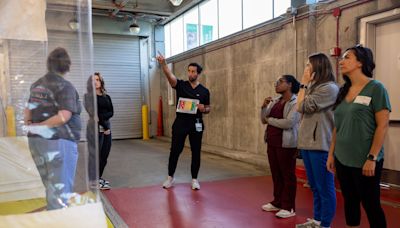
(138, 163)
(137, 167)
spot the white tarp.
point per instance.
(23, 20)
(19, 177)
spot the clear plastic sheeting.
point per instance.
(48, 158)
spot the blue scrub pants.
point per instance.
(322, 185)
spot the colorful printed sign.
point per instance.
(186, 105)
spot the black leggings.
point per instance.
(356, 189)
(105, 142)
(180, 129)
(104, 149)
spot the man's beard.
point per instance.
(192, 79)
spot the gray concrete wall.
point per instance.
(240, 70)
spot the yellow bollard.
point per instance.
(145, 111)
(11, 129)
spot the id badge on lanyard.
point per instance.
(199, 126)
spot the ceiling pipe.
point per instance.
(125, 16)
(181, 11)
(119, 6)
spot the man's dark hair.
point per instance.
(199, 69)
(58, 61)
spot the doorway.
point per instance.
(381, 33)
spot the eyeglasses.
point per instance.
(279, 81)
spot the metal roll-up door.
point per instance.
(117, 58)
(80, 65)
(27, 63)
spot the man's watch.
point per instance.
(371, 157)
(302, 86)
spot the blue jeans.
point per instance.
(322, 185)
(56, 162)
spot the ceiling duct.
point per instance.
(126, 16)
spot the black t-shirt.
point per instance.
(185, 90)
(50, 94)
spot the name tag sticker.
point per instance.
(364, 100)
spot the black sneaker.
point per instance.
(102, 181)
(104, 186)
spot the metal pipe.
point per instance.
(118, 7)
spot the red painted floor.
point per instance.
(227, 203)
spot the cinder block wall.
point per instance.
(240, 70)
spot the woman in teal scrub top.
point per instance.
(361, 122)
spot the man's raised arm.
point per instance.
(170, 76)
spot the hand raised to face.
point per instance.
(308, 75)
(266, 102)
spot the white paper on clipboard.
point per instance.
(186, 105)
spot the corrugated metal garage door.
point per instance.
(28, 63)
(25, 64)
(116, 57)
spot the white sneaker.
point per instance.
(285, 213)
(269, 207)
(168, 182)
(311, 223)
(195, 184)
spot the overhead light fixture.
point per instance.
(134, 27)
(176, 2)
(73, 24)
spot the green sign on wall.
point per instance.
(207, 33)
(191, 36)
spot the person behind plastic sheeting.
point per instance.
(91, 134)
(315, 102)
(52, 118)
(361, 122)
(105, 111)
(193, 100)
(281, 136)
